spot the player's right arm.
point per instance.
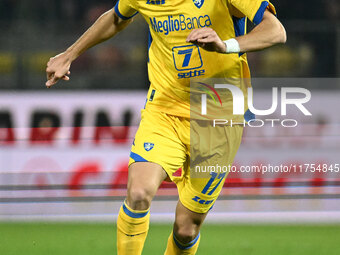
(106, 26)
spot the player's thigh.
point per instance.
(157, 141)
(156, 153)
(143, 182)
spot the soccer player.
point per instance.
(188, 38)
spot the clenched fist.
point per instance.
(58, 68)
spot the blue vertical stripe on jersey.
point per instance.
(149, 44)
(152, 95)
(259, 14)
(249, 116)
(240, 28)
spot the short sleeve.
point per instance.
(124, 10)
(253, 9)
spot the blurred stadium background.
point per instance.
(64, 152)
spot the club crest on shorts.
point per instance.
(198, 3)
(148, 146)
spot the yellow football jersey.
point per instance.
(173, 62)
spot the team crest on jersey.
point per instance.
(198, 3)
(148, 146)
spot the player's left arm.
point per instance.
(269, 32)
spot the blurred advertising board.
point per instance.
(73, 147)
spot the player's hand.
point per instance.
(207, 39)
(58, 68)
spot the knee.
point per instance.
(138, 198)
(186, 233)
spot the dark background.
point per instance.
(34, 30)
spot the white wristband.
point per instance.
(232, 46)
